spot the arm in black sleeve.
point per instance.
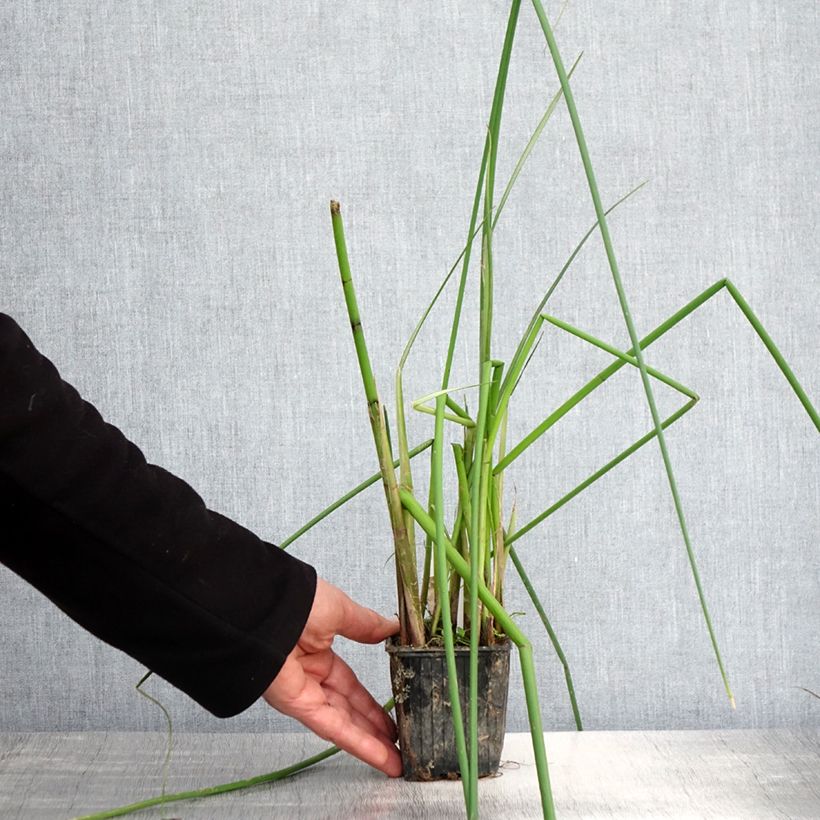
(130, 551)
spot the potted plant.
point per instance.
(465, 558)
(450, 592)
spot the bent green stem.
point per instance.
(551, 632)
(506, 622)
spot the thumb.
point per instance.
(365, 625)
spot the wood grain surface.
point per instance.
(696, 774)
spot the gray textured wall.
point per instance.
(165, 239)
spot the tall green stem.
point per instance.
(477, 545)
(443, 606)
(409, 604)
(633, 334)
(469, 773)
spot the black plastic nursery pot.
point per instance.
(423, 714)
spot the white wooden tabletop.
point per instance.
(696, 774)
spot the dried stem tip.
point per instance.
(335, 208)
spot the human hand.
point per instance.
(321, 691)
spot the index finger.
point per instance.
(366, 625)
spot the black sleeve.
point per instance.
(130, 551)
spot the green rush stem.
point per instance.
(405, 471)
(599, 473)
(475, 230)
(224, 788)
(633, 334)
(405, 551)
(465, 266)
(497, 495)
(499, 556)
(497, 372)
(525, 658)
(772, 348)
(477, 545)
(455, 581)
(406, 474)
(443, 605)
(485, 321)
(347, 497)
(505, 196)
(387, 433)
(498, 98)
(486, 280)
(468, 453)
(502, 449)
(170, 745)
(506, 389)
(594, 383)
(435, 618)
(428, 549)
(484, 525)
(469, 774)
(570, 259)
(458, 410)
(624, 358)
(551, 632)
(651, 337)
(518, 638)
(618, 354)
(516, 369)
(465, 506)
(531, 144)
(456, 418)
(236, 785)
(369, 381)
